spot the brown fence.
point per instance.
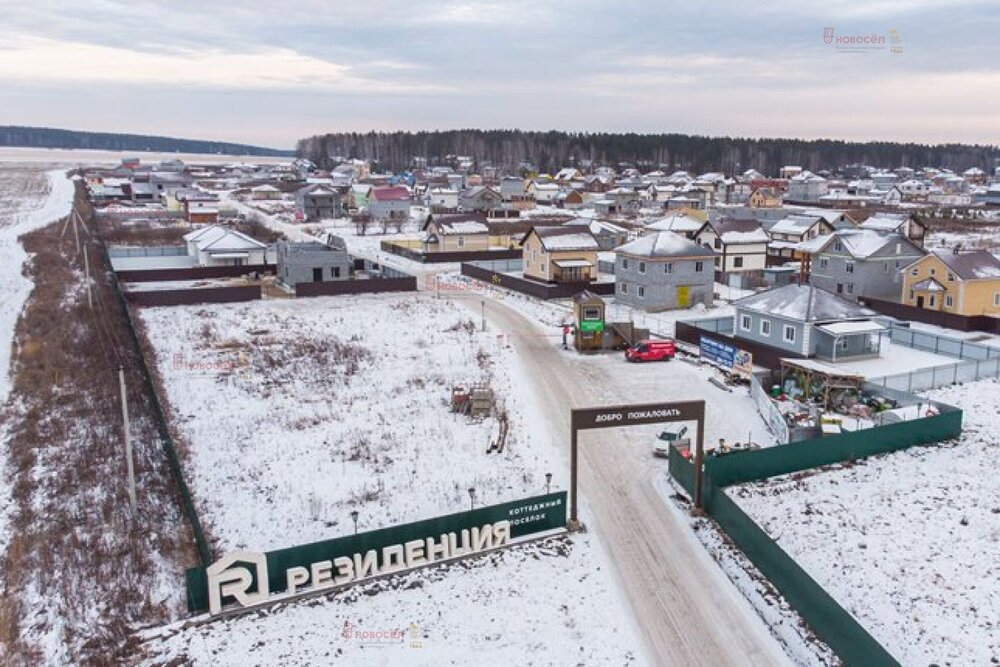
(450, 256)
(762, 354)
(193, 273)
(941, 319)
(183, 297)
(369, 286)
(532, 287)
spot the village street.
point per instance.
(689, 612)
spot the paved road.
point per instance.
(688, 611)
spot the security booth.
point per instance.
(588, 314)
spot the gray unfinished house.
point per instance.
(314, 262)
(664, 271)
(318, 202)
(860, 263)
(808, 321)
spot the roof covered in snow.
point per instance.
(217, 238)
(804, 303)
(664, 244)
(680, 222)
(564, 238)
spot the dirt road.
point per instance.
(688, 611)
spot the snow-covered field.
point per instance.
(309, 409)
(296, 412)
(907, 542)
(29, 198)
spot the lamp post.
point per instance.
(548, 482)
(472, 497)
(354, 517)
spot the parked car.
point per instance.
(651, 350)
(666, 439)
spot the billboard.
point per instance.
(727, 356)
(239, 577)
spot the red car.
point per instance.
(651, 350)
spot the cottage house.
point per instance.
(389, 203)
(564, 254)
(442, 200)
(544, 192)
(265, 192)
(856, 263)
(740, 245)
(313, 261)
(685, 223)
(764, 198)
(806, 186)
(514, 194)
(900, 223)
(220, 246)
(456, 233)
(954, 281)
(571, 200)
(664, 271)
(788, 232)
(318, 202)
(481, 198)
(808, 321)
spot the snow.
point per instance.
(838, 328)
(803, 303)
(907, 541)
(894, 359)
(755, 236)
(561, 242)
(663, 244)
(540, 604)
(289, 426)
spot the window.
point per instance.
(850, 288)
(898, 263)
(624, 262)
(765, 327)
(933, 271)
(885, 268)
(461, 241)
(849, 267)
(642, 292)
(839, 246)
(745, 322)
(899, 248)
(915, 271)
(737, 262)
(789, 334)
(842, 343)
(911, 295)
(949, 301)
(996, 299)
(932, 300)
(335, 271)
(642, 267)
(718, 243)
(699, 266)
(668, 267)
(951, 277)
(591, 313)
(823, 262)
(840, 288)
(623, 288)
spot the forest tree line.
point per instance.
(513, 150)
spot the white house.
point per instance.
(544, 193)
(740, 245)
(221, 246)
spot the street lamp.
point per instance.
(472, 497)
(548, 482)
(354, 516)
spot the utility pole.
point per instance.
(483, 304)
(86, 267)
(128, 445)
(76, 233)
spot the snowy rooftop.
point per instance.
(804, 303)
(566, 238)
(681, 222)
(664, 244)
(794, 224)
(972, 265)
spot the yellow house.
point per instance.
(564, 254)
(952, 281)
(764, 198)
(456, 233)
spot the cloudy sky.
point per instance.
(272, 72)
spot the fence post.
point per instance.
(909, 382)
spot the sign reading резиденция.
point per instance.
(250, 578)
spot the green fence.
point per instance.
(834, 625)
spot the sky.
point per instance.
(269, 73)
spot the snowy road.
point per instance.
(689, 612)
